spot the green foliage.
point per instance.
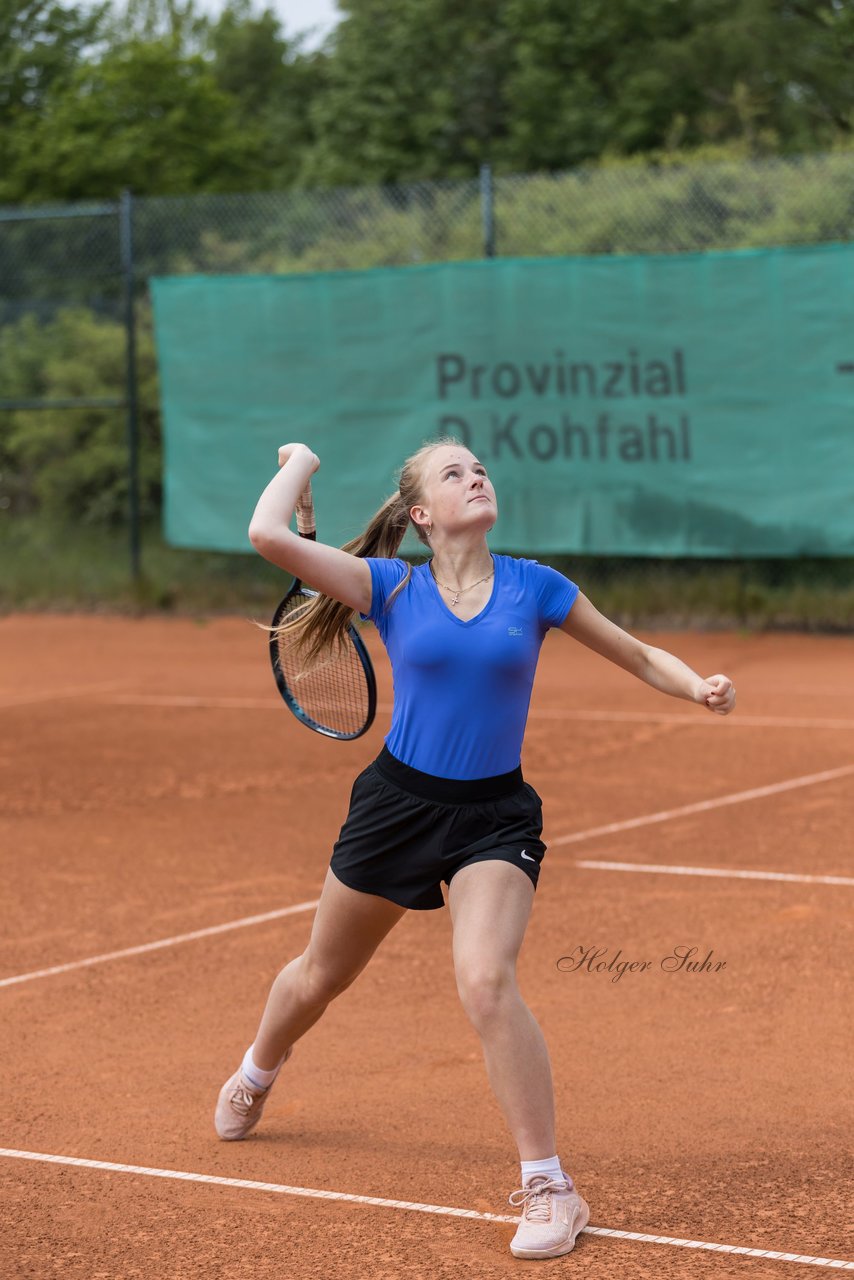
(797, 595)
(423, 88)
(164, 100)
(270, 85)
(54, 565)
(143, 111)
(414, 88)
(682, 203)
(58, 565)
(157, 99)
(596, 77)
(174, 22)
(71, 464)
(713, 199)
(40, 46)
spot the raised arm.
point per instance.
(656, 667)
(336, 573)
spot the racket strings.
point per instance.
(333, 691)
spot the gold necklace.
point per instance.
(458, 591)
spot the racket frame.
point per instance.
(306, 528)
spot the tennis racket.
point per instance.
(337, 696)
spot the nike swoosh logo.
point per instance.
(528, 857)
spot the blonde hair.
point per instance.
(322, 624)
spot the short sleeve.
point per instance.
(385, 575)
(556, 594)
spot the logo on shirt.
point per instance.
(514, 631)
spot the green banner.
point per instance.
(691, 405)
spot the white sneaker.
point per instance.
(240, 1104)
(553, 1214)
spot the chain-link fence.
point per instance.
(67, 283)
(72, 253)
(625, 209)
(65, 275)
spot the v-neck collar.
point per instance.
(466, 622)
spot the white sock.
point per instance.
(551, 1166)
(255, 1074)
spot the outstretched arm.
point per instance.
(656, 667)
(336, 573)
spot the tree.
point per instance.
(71, 466)
(152, 20)
(143, 117)
(41, 46)
(271, 82)
(414, 88)
(593, 77)
(163, 99)
(430, 88)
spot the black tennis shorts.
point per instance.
(407, 830)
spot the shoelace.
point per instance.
(242, 1100)
(536, 1199)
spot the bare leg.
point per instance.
(490, 903)
(348, 927)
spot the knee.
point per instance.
(485, 991)
(320, 983)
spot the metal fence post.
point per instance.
(487, 210)
(126, 236)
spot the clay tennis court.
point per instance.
(154, 786)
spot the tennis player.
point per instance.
(445, 800)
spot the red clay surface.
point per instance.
(714, 1107)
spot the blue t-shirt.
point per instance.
(462, 689)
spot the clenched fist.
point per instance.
(718, 694)
(289, 450)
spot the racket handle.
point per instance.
(306, 526)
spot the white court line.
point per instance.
(52, 695)
(179, 700)
(641, 717)
(163, 942)
(655, 868)
(665, 717)
(273, 703)
(703, 806)
(445, 1210)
